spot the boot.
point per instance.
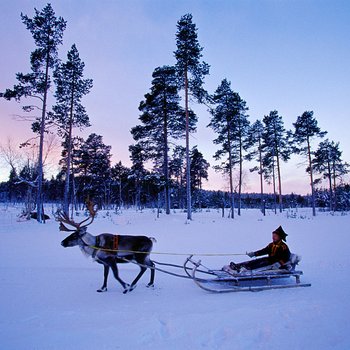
(235, 267)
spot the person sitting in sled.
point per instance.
(277, 251)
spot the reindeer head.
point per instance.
(80, 229)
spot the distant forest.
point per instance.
(164, 174)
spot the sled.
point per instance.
(225, 281)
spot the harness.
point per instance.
(112, 244)
(115, 242)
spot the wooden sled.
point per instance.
(253, 281)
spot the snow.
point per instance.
(49, 300)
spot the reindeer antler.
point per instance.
(65, 228)
(64, 219)
(92, 212)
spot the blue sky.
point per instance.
(290, 56)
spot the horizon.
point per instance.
(288, 56)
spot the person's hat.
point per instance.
(281, 233)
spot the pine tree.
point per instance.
(306, 129)
(199, 171)
(12, 188)
(119, 174)
(76, 152)
(177, 172)
(254, 143)
(277, 148)
(199, 168)
(240, 138)
(47, 31)
(327, 162)
(138, 171)
(27, 177)
(162, 120)
(92, 164)
(68, 111)
(231, 124)
(191, 73)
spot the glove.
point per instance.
(250, 254)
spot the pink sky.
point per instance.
(288, 56)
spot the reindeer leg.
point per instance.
(116, 275)
(151, 265)
(105, 277)
(133, 284)
(151, 282)
(148, 262)
(145, 261)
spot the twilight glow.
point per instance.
(290, 56)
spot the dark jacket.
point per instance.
(277, 252)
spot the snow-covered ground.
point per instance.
(49, 300)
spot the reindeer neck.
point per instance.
(88, 240)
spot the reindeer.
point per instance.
(108, 249)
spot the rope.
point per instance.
(165, 271)
(181, 267)
(165, 253)
(155, 268)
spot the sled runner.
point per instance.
(227, 280)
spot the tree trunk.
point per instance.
(200, 194)
(74, 193)
(240, 173)
(120, 193)
(39, 199)
(311, 178)
(274, 183)
(181, 191)
(330, 187)
(334, 188)
(279, 182)
(138, 195)
(68, 163)
(166, 162)
(188, 160)
(261, 180)
(232, 200)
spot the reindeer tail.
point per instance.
(153, 239)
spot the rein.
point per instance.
(163, 253)
(115, 249)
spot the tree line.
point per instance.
(265, 141)
(165, 119)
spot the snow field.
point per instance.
(49, 300)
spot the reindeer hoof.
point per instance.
(150, 285)
(101, 290)
(129, 289)
(126, 288)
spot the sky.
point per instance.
(284, 55)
